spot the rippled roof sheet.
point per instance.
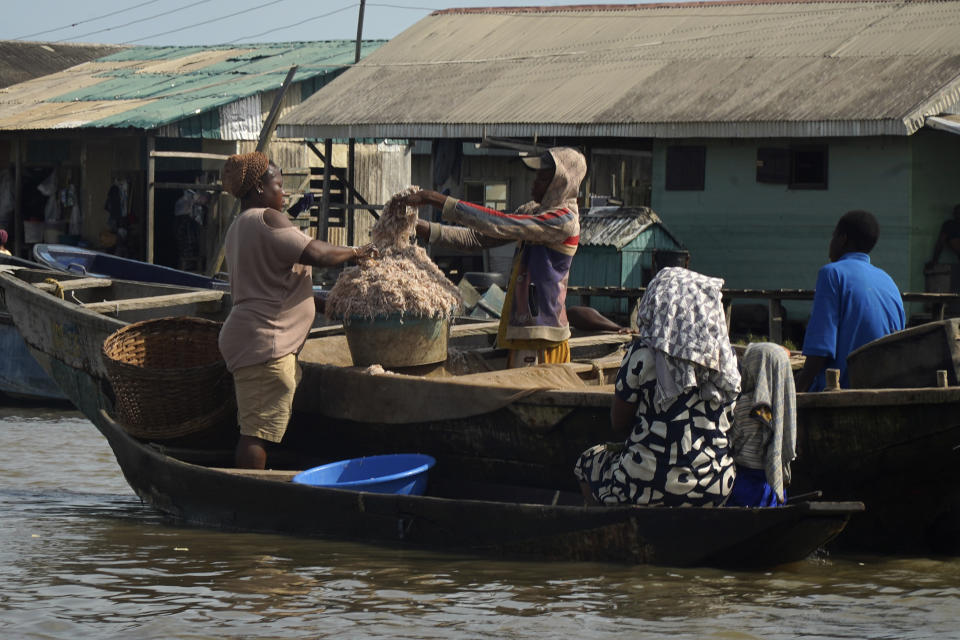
(724, 69)
(617, 226)
(149, 87)
(22, 61)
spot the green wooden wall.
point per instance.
(935, 168)
(756, 235)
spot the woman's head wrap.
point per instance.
(3, 236)
(681, 318)
(241, 172)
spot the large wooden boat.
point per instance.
(527, 427)
(64, 319)
(894, 449)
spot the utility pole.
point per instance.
(356, 55)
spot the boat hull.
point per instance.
(528, 524)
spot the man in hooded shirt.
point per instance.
(533, 322)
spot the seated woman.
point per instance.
(764, 432)
(675, 390)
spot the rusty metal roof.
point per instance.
(153, 87)
(22, 61)
(618, 226)
(709, 69)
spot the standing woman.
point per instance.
(271, 285)
(675, 390)
(533, 323)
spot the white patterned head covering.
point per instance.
(768, 378)
(681, 318)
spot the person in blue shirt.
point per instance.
(854, 302)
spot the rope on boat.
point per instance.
(58, 287)
(597, 370)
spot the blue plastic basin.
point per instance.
(403, 473)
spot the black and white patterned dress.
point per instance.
(677, 456)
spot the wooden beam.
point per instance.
(351, 164)
(270, 124)
(18, 197)
(348, 185)
(155, 302)
(280, 475)
(325, 197)
(74, 284)
(188, 185)
(189, 154)
(151, 194)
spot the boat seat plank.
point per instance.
(74, 284)
(280, 475)
(154, 302)
(475, 329)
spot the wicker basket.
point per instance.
(168, 377)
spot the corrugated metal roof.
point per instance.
(150, 87)
(22, 61)
(724, 69)
(617, 226)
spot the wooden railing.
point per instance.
(775, 298)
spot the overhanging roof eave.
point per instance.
(425, 130)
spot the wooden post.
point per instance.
(728, 312)
(151, 195)
(325, 198)
(356, 54)
(18, 197)
(82, 191)
(776, 320)
(942, 378)
(833, 380)
(350, 213)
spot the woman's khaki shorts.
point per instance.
(265, 397)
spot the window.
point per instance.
(801, 167)
(492, 195)
(686, 167)
(808, 168)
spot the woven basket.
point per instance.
(168, 377)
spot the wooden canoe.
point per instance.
(460, 513)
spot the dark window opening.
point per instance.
(809, 168)
(773, 165)
(798, 167)
(686, 167)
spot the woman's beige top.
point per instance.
(273, 306)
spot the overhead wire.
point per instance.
(94, 19)
(189, 5)
(262, 5)
(295, 24)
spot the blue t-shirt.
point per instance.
(854, 303)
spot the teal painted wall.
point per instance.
(936, 189)
(756, 235)
(604, 266)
